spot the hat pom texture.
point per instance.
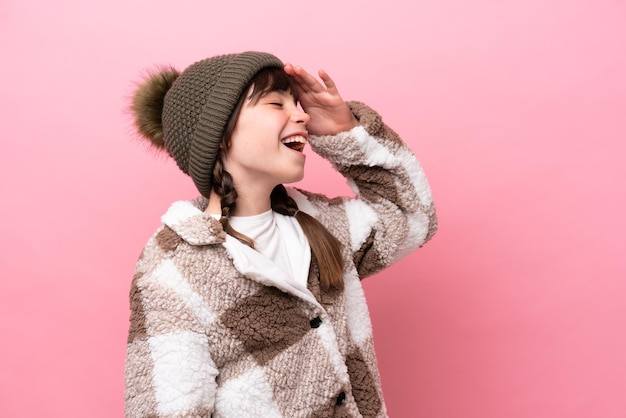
(147, 103)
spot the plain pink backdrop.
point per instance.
(516, 109)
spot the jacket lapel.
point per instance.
(259, 268)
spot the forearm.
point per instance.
(394, 208)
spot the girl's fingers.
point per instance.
(310, 89)
(305, 80)
(328, 81)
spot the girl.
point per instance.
(247, 301)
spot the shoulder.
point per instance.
(186, 233)
(315, 204)
(187, 220)
(332, 213)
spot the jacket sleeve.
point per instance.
(169, 370)
(393, 211)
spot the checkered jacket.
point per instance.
(211, 335)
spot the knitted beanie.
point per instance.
(187, 113)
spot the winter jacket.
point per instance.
(211, 334)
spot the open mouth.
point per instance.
(295, 142)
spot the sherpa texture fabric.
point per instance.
(213, 336)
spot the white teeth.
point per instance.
(296, 138)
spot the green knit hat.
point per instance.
(186, 113)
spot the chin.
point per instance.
(294, 179)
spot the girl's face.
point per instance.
(267, 142)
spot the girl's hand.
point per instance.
(329, 113)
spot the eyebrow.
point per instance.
(283, 93)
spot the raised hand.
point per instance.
(329, 113)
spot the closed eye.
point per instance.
(276, 104)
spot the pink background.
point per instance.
(517, 110)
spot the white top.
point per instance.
(279, 238)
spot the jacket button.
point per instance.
(341, 398)
(315, 322)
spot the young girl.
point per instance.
(247, 301)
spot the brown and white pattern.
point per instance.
(212, 335)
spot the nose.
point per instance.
(300, 116)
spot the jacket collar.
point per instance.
(188, 220)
